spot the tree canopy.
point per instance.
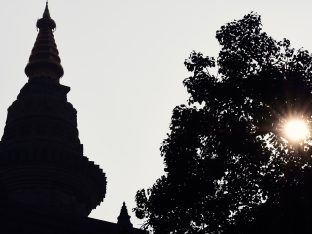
(228, 166)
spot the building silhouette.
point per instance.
(47, 185)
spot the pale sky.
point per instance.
(124, 63)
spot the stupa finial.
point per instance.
(46, 13)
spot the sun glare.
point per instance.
(296, 130)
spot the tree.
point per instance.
(228, 166)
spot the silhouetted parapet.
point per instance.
(124, 218)
(44, 60)
(37, 223)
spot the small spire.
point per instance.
(124, 218)
(46, 22)
(46, 13)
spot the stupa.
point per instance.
(47, 184)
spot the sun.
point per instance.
(296, 130)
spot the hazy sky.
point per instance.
(123, 60)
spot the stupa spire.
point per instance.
(46, 13)
(124, 218)
(44, 60)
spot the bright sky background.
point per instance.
(123, 60)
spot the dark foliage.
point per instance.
(228, 167)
